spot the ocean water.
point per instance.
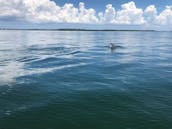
(72, 80)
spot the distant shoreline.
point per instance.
(71, 29)
(84, 30)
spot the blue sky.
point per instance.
(99, 5)
(92, 14)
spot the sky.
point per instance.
(87, 14)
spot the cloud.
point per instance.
(108, 16)
(150, 14)
(165, 17)
(47, 11)
(130, 14)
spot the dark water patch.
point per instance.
(90, 110)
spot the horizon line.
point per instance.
(75, 29)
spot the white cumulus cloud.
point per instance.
(130, 14)
(150, 14)
(109, 15)
(45, 11)
(165, 17)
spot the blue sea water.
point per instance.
(72, 80)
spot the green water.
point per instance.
(71, 80)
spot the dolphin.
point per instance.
(112, 46)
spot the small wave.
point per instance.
(45, 70)
(36, 48)
(74, 52)
(27, 59)
(49, 48)
(44, 59)
(52, 51)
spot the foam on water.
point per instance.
(9, 73)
